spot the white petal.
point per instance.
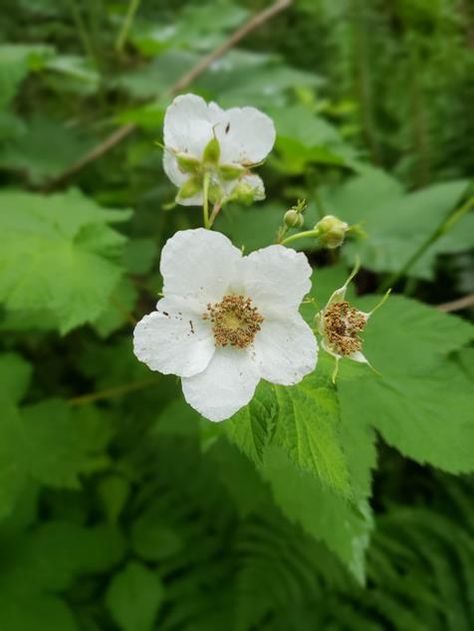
(285, 350)
(170, 166)
(246, 135)
(276, 278)
(227, 384)
(198, 264)
(173, 341)
(188, 125)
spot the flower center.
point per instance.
(342, 324)
(235, 321)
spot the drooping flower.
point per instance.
(227, 320)
(202, 138)
(340, 325)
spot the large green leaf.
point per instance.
(303, 420)
(422, 403)
(58, 254)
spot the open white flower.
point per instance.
(245, 136)
(340, 325)
(226, 321)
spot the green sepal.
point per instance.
(212, 152)
(188, 164)
(229, 172)
(190, 187)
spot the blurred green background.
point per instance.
(119, 508)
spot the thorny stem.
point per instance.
(205, 201)
(127, 23)
(441, 230)
(109, 393)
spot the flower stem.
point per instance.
(215, 212)
(300, 235)
(441, 230)
(205, 201)
(127, 23)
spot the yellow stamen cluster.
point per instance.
(235, 321)
(342, 324)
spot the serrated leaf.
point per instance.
(422, 403)
(303, 420)
(58, 254)
(134, 597)
(15, 376)
(344, 527)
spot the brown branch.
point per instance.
(123, 132)
(457, 305)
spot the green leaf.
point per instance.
(134, 597)
(60, 443)
(15, 62)
(68, 232)
(303, 420)
(15, 376)
(26, 152)
(152, 540)
(13, 463)
(422, 404)
(396, 224)
(344, 527)
(20, 612)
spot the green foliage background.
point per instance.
(315, 507)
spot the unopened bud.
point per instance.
(190, 187)
(293, 219)
(244, 194)
(331, 231)
(212, 152)
(230, 172)
(187, 163)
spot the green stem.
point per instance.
(205, 201)
(301, 235)
(108, 393)
(441, 230)
(127, 23)
(82, 30)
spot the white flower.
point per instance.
(340, 324)
(245, 137)
(226, 321)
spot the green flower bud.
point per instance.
(187, 163)
(229, 172)
(190, 187)
(293, 219)
(243, 194)
(212, 152)
(331, 231)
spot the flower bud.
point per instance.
(190, 187)
(229, 172)
(187, 163)
(293, 219)
(331, 231)
(243, 193)
(212, 152)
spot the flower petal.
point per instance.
(276, 278)
(188, 125)
(227, 384)
(198, 264)
(246, 135)
(174, 341)
(285, 350)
